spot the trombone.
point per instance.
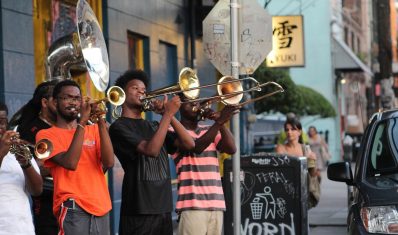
(229, 89)
(188, 84)
(232, 94)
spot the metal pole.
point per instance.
(235, 120)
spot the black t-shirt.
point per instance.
(147, 184)
(29, 131)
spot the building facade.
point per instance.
(160, 37)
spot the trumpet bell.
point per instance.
(226, 88)
(43, 149)
(116, 95)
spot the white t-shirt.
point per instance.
(15, 212)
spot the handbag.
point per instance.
(325, 154)
(314, 190)
(313, 183)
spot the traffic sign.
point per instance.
(255, 36)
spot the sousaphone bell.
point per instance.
(83, 50)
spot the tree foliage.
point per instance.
(298, 99)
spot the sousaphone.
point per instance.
(83, 50)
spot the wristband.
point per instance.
(27, 165)
(80, 125)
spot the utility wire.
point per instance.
(301, 8)
(266, 3)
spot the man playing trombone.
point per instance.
(200, 202)
(81, 154)
(19, 177)
(142, 147)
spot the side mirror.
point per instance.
(341, 171)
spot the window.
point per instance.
(384, 148)
(138, 52)
(168, 74)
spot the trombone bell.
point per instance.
(43, 149)
(187, 84)
(229, 85)
(187, 81)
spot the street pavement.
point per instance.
(329, 216)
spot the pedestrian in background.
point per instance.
(295, 147)
(80, 156)
(282, 137)
(319, 147)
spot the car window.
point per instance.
(384, 148)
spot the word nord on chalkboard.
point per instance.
(268, 228)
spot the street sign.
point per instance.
(255, 36)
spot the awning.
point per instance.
(346, 60)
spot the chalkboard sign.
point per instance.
(273, 195)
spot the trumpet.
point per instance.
(115, 96)
(43, 149)
(21, 148)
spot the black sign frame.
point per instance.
(273, 194)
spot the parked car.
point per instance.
(373, 203)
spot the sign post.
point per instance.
(237, 37)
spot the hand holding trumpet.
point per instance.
(93, 111)
(10, 142)
(6, 141)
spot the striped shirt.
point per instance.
(199, 181)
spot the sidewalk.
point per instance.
(332, 208)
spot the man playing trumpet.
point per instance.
(19, 177)
(81, 154)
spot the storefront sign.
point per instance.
(287, 41)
